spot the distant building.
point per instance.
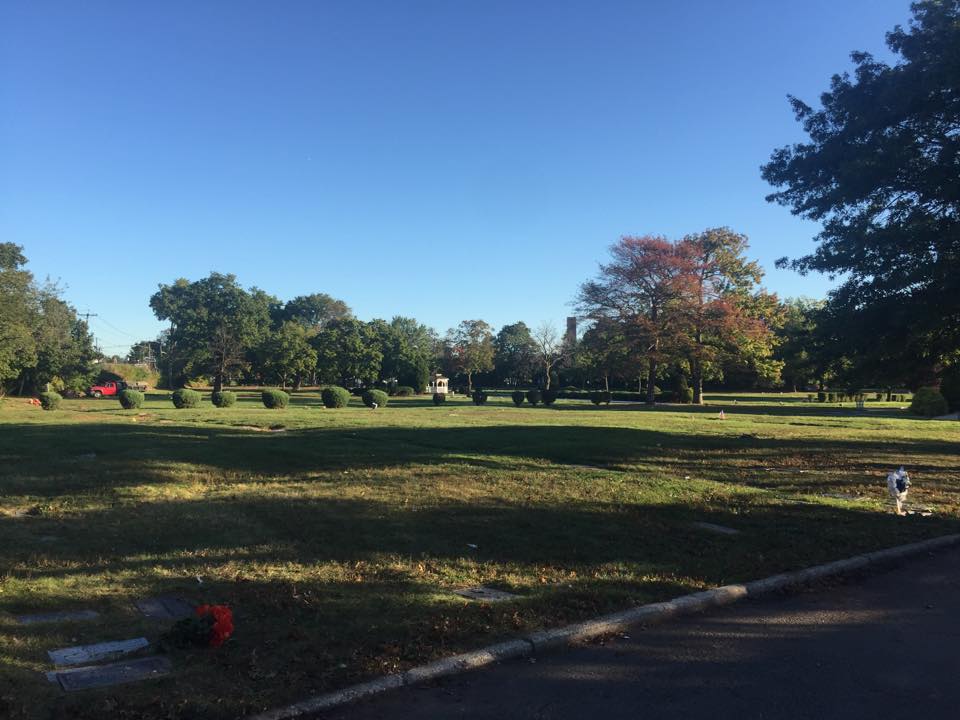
(570, 337)
(438, 384)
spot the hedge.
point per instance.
(929, 402)
(185, 398)
(375, 398)
(274, 399)
(131, 399)
(50, 400)
(223, 398)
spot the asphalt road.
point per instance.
(886, 646)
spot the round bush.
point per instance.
(534, 397)
(131, 399)
(274, 399)
(404, 391)
(600, 396)
(686, 395)
(375, 397)
(185, 398)
(439, 398)
(50, 400)
(517, 396)
(223, 398)
(549, 397)
(479, 397)
(335, 397)
(929, 402)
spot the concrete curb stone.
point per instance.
(603, 626)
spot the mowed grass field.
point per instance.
(338, 536)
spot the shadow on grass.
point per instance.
(330, 589)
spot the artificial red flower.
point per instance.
(222, 627)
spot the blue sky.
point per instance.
(445, 160)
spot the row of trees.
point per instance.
(660, 309)
(42, 339)
(223, 332)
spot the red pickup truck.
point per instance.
(111, 388)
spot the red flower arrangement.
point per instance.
(212, 625)
(222, 622)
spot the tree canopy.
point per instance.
(881, 172)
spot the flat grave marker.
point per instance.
(481, 592)
(85, 678)
(97, 652)
(720, 529)
(165, 607)
(61, 616)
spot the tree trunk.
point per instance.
(546, 382)
(696, 368)
(606, 383)
(651, 392)
(469, 382)
(697, 380)
(218, 382)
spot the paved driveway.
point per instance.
(887, 646)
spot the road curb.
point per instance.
(602, 626)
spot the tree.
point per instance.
(728, 320)
(348, 352)
(315, 310)
(880, 172)
(641, 289)
(471, 348)
(605, 352)
(799, 347)
(215, 324)
(18, 312)
(549, 349)
(513, 354)
(286, 354)
(408, 352)
(42, 340)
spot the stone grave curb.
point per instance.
(602, 626)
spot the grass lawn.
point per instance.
(337, 540)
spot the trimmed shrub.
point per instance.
(131, 399)
(821, 396)
(686, 395)
(375, 397)
(185, 398)
(274, 399)
(439, 398)
(50, 400)
(223, 398)
(549, 397)
(929, 402)
(598, 397)
(479, 397)
(335, 397)
(404, 391)
(517, 396)
(534, 397)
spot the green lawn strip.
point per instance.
(337, 542)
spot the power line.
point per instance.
(115, 328)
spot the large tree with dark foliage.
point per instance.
(215, 324)
(881, 172)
